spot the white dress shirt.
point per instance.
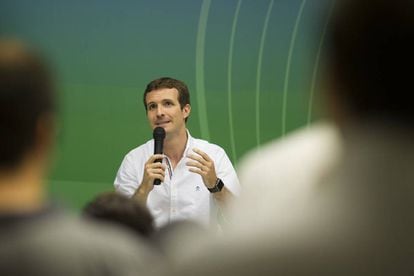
(182, 195)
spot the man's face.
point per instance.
(164, 110)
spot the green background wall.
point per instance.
(251, 66)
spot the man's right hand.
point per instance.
(152, 171)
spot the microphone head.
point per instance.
(158, 133)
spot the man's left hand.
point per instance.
(202, 164)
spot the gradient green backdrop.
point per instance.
(251, 66)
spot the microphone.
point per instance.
(159, 136)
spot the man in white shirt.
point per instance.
(195, 174)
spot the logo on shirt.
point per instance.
(197, 188)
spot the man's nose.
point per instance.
(160, 111)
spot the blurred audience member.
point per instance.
(357, 219)
(122, 210)
(290, 168)
(37, 238)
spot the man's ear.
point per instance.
(186, 111)
(46, 132)
(335, 107)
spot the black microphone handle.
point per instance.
(157, 181)
(158, 148)
(159, 136)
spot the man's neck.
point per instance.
(21, 193)
(174, 146)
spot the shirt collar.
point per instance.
(190, 142)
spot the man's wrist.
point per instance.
(141, 194)
(217, 187)
(147, 187)
(143, 190)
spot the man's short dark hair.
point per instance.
(166, 82)
(370, 50)
(119, 209)
(26, 93)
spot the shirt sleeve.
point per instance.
(226, 172)
(128, 177)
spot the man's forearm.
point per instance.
(141, 194)
(223, 197)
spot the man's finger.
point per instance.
(155, 175)
(155, 157)
(197, 158)
(203, 154)
(157, 171)
(155, 166)
(194, 164)
(197, 171)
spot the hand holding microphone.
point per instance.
(154, 170)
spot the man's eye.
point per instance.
(151, 106)
(168, 103)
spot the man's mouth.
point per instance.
(161, 123)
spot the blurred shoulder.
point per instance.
(307, 145)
